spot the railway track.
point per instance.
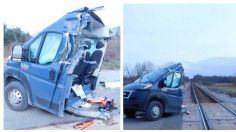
(203, 98)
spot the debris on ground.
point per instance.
(109, 84)
(91, 106)
(185, 110)
(104, 103)
(84, 125)
(89, 113)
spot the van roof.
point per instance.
(60, 24)
(175, 67)
(157, 74)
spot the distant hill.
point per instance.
(221, 66)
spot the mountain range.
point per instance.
(220, 66)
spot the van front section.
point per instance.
(58, 68)
(155, 93)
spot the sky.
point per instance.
(34, 15)
(159, 33)
(162, 33)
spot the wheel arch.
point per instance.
(10, 79)
(25, 83)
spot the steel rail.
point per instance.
(203, 116)
(217, 100)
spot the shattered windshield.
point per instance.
(151, 77)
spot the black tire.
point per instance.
(150, 115)
(130, 113)
(17, 88)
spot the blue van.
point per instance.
(155, 93)
(67, 54)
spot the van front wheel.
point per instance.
(154, 111)
(16, 96)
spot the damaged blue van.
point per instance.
(51, 69)
(155, 93)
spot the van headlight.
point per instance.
(146, 86)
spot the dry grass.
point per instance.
(7, 52)
(112, 55)
(113, 64)
(113, 50)
(227, 88)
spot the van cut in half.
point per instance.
(67, 54)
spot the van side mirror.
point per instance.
(16, 53)
(161, 83)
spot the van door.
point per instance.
(42, 68)
(173, 91)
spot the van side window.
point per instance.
(168, 80)
(34, 48)
(50, 46)
(173, 80)
(176, 80)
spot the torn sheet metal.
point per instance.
(88, 113)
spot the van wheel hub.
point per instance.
(155, 111)
(15, 97)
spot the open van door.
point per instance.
(173, 82)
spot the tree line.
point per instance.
(131, 73)
(208, 80)
(14, 36)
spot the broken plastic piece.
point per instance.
(104, 103)
(79, 91)
(185, 110)
(84, 124)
